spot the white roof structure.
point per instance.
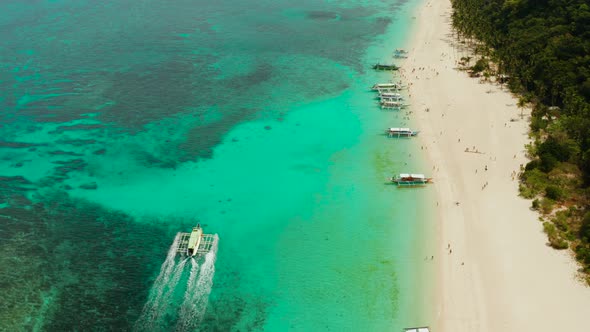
(415, 176)
(399, 129)
(417, 329)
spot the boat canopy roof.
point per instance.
(415, 176)
(417, 329)
(400, 129)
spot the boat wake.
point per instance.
(151, 310)
(160, 311)
(196, 296)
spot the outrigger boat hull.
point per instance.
(393, 105)
(417, 329)
(399, 132)
(195, 243)
(380, 66)
(387, 87)
(411, 180)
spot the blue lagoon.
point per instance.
(124, 123)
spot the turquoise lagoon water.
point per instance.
(123, 123)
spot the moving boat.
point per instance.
(410, 179)
(194, 240)
(406, 132)
(195, 243)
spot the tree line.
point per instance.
(542, 48)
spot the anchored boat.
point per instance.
(195, 243)
(382, 66)
(417, 329)
(410, 179)
(386, 86)
(390, 95)
(391, 99)
(393, 104)
(401, 132)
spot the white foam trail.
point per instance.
(196, 296)
(192, 276)
(161, 303)
(150, 310)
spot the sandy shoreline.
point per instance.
(498, 273)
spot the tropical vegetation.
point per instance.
(541, 49)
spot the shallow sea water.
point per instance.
(123, 123)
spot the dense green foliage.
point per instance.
(543, 47)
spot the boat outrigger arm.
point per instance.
(417, 329)
(195, 243)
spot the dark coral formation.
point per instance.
(91, 265)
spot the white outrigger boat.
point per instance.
(401, 132)
(390, 95)
(387, 86)
(387, 90)
(391, 99)
(393, 104)
(411, 179)
(195, 243)
(417, 329)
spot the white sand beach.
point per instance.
(495, 271)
